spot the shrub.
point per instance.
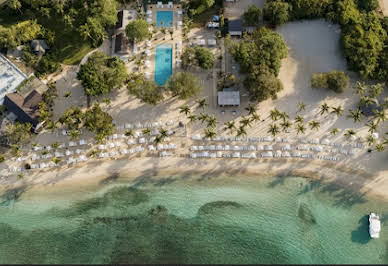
(335, 80)
(184, 85)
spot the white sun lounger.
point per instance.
(267, 154)
(68, 152)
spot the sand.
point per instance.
(313, 47)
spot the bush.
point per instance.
(205, 58)
(137, 30)
(99, 122)
(47, 65)
(184, 85)
(147, 91)
(252, 16)
(102, 74)
(276, 12)
(2, 158)
(335, 80)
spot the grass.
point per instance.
(69, 48)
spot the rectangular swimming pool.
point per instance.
(163, 63)
(164, 18)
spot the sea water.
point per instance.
(191, 219)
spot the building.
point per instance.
(39, 47)
(228, 97)
(235, 27)
(121, 44)
(10, 77)
(24, 109)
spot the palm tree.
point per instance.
(192, 118)
(334, 131)
(284, 116)
(324, 109)
(230, 125)
(301, 107)
(52, 125)
(274, 114)
(209, 133)
(300, 128)
(202, 103)
(241, 132)
(375, 90)
(203, 117)
(366, 100)
(273, 129)
(251, 109)
(337, 110)
(146, 131)
(245, 121)
(371, 140)
(356, 115)
(129, 133)
(255, 117)
(380, 116)
(163, 133)
(54, 145)
(171, 31)
(56, 160)
(157, 140)
(360, 88)
(285, 125)
(163, 31)
(184, 109)
(380, 147)
(211, 121)
(74, 134)
(350, 132)
(372, 127)
(314, 125)
(299, 119)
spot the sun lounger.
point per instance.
(267, 154)
(159, 5)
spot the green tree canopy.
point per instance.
(276, 12)
(204, 57)
(18, 133)
(184, 85)
(19, 33)
(102, 74)
(137, 30)
(146, 90)
(99, 122)
(334, 80)
(253, 15)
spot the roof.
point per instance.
(39, 46)
(228, 98)
(10, 77)
(121, 43)
(26, 109)
(235, 25)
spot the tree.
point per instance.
(241, 132)
(137, 30)
(285, 125)
(335, 80)
(380, 116)
(334, 131)
(255, 117)
(314, 125)
(251, 109)
(202, 103)
(380, 147)
(146, 131)
(337, 110)
(192, 118)
(245, 121)
(368, 5)
(375, 90)
(301, 107)
(284, 116)
(203, 117)
(273, 130)
(56, 160)
(99, 122)
(184, 109)
(146, 90)
(72, 118)
(211, 122)
(129, 133)
(163, 133)
(14, 4)
(18, 133)
(184, 84)
(324, 108)
(209, 133)
(356, 115)
(21, 32)
(360, 88)
(370, 140)
(74, 134)
(276, 12)
(252, 16)
(350, 132)
(188, 57)
(102, 74)
(230, 126)
(299, 119)
(274, 114)
(372, 127)
(2, 158)
(300, 128)
(204, 57)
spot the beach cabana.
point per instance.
(236, 155)
(286, 139)
(37, 148)
(58, 154)
(139, 149)
(286, 147)
(114, 136)
(128, 126)
(193, 155)
(78, 151)
(35, 157)
(68, 152)
(286, 154)
(267, 154)
(142, 140)
(268, 139)
(83, 142)
(34, 166)
(268, 147)
(159, 5)
(211, 42)
(170, 5)
(71, 160)
(111, 145)
(123, 151)
(325, 142)
(117, 144)
(151, 147)
(101, 147)
(260, 147)
(131, 141)
(43, 165)
(296, 154)
(219, 154)
(82, 158)
(149, 12)
(302, 147)
(112, 153)
(278, 154)
(375, 135)
(278, 139)
(201, 42)
(72, 144)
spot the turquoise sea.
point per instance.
(191, 219)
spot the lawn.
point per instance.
(69, 47)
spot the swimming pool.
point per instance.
(163, 63)
(164, 18)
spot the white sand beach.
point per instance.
(313, 47)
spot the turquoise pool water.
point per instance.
(164, 18)
(163, 63)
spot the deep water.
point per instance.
(244, 220)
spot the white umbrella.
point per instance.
(375, 135)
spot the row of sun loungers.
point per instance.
(145, 125)
(82, 142)
(267, 154)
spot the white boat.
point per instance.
(374, 225)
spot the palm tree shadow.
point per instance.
(361, 235)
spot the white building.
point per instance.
(10, 77)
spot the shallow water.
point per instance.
(236, 220)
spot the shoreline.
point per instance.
(154, 169)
